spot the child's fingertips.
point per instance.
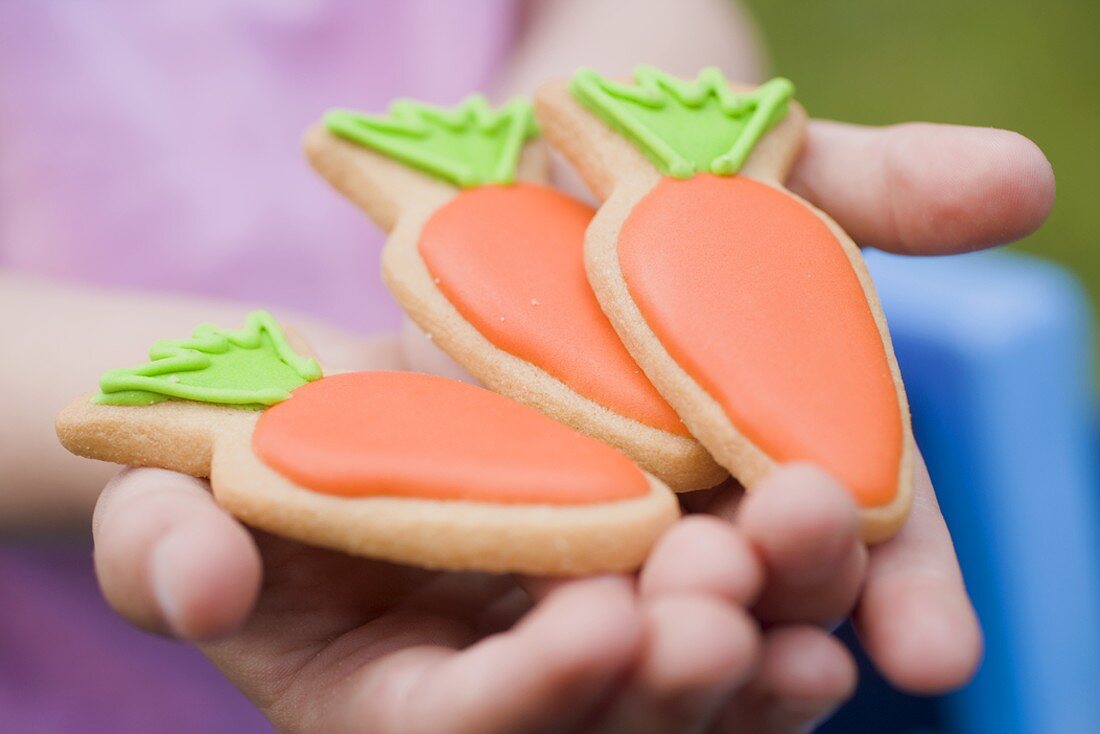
(204, 583)
(926, 638)
(698, 645)
(703, 555)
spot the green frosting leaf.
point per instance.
(685, 127)
(470, 144)
(253, 368)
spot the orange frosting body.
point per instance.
(404, 434)
(755, 298)
(511, 260)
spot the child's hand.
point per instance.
(911, 608)
(321, 641)
(334, 641)
(918, 189)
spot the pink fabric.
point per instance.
(156, 144)
(69, 664)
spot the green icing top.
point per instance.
(251, 368)
(470, 144)
(685, 127)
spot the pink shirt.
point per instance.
(156, 145)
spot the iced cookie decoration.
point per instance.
(398, 466)
(253, 367)
(488, 261)
(750, 311)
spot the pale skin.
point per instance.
(724, 629)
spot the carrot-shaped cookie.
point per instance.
(751, 311)
(492, 269)
(399, 466)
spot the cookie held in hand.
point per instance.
(749, 310)
(488, 261)
(397, 466)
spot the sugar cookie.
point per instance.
(488, 261)
(399, 466)
(750, 310)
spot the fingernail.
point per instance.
(166, 590)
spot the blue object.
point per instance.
(995, 350)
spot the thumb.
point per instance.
(169, 559)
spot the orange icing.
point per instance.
(403, 434)
(756, 299)
(511, 260)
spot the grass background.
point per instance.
(1027, 65)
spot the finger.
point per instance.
(169, 559)
(805, 528)
(805, 674)
(706, 556)
(915, 617)
(701, 644)
(556, 664)
(699, 649)
(921, 188)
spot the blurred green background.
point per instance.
(1027, 65)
